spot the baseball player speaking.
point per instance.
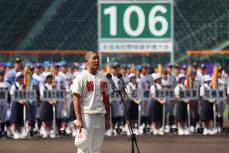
(90, 97)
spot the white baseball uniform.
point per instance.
(91, 89)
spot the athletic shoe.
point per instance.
(212, 131)
(186, 131)
(23, 133)
(52, 134)
(192, 129)
(141, 129)
(136, 131)
(180, 131)
(161, 131)
(68, 130)
(43, 132)
(206, 131)
(109, 132)
(16, 136)
(156, 132)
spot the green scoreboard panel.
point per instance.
(133, 26)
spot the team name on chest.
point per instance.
(102, 85)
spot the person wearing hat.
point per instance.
(17, 107)
(201, 73)
(60, 84)
(2, 66)
(123, 71)
(207, 114)
(181, 108)
(133, 101)
(156, 111)
(170, 81)
(10, 76)
(117, 108)
(46, 66)
(221, 103)
(46, 113)
(37, 81)
(176, 71)
(4, 104)
(145, 83)
(184, 69)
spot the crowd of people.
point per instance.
(142, 108)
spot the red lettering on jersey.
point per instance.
(90, 86)
(103, 85)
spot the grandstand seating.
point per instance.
(199, 24)
(17, 17)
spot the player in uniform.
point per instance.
(46, 113)
(91, 103)
(145, 82)
(181, 108)
(156, 111)
(170, 82)
(207, 114)
(17, 107)
(60, 84)
(220, 103)
(117, 108)
(133, 101)
(4, 104)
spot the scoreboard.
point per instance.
(133, 26)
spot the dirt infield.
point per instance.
(120, 144)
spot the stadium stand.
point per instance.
(72, 25)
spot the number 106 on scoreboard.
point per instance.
(145, 19)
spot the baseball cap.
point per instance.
(207, 78)
(18, 60)
(181, 75)
(19, 75)
(156, 76)
(115, 64)
(132, 75)
(202, 66)
(46, 64)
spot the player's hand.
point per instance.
(54, 101)
(78, 124)
(212, 101)
(50, 102)
(107, 124)
(22, 102)
(163, 101)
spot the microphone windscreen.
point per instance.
(109, 76)
(119, 75)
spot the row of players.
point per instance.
(148, 108)
(152, 112)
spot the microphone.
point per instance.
(109, 77)
(119, 75)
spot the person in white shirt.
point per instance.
(91, 91)
(60, 84)
(133, 101)
(207, 114)
(117, 108)
(144, 84)
(156, 115)
(4, 103)
(17, 107)
(181, 109)
(46, 113)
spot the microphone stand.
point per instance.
(133, 138)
